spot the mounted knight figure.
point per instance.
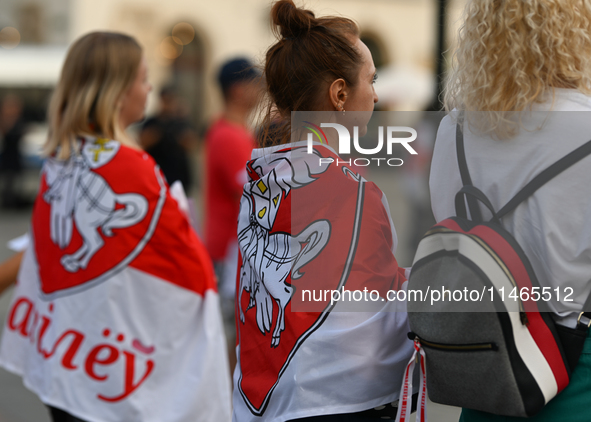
(79, 195)
(267, 258)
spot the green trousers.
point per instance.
(573, 404)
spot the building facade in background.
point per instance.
(186, 40)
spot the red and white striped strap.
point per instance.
(405, 404)
(422, 402)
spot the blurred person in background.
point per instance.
(12, 129)
(115, 316)
(169, 138)
(306, 223)
(229, 143)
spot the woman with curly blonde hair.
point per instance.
(520, 89)
(513, 54)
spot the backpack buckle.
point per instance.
(582, 323)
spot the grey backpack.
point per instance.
(490, 341)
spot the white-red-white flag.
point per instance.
(309, 228)
(116, 316)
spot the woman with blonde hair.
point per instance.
(115, 316)
(520, 89)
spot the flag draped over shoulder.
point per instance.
(309, 226)
(115, 316)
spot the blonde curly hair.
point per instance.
(512, 54)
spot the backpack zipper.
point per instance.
(458, 347)
(522, 314)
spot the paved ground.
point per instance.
(17, 404)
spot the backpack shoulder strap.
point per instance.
(465, 174)
(545, 176)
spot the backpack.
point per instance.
(497, 348)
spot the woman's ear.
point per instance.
(338, 94)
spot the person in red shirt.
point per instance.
(229, 143)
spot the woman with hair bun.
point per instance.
(115, 317)
(308, 224)
(522, 81)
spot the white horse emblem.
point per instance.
(268, 259)
(78, 195)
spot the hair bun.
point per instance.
(290, 21)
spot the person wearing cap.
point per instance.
(229, 143)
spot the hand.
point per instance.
(9, 271)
